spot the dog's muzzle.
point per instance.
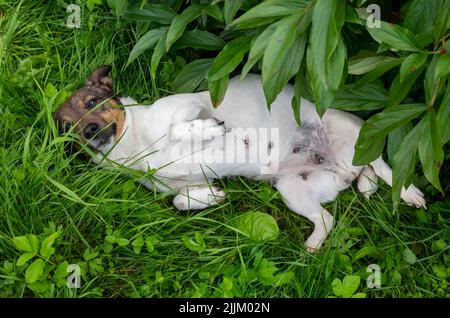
(96, 136)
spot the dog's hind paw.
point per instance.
(413, 197)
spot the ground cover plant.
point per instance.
(57, 209)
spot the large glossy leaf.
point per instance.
(327, 21)
(357, 66)
(400, 89)
(442, 66)
(365, 155)
(229, 58)
(443, 115)
(267, 12)
(379, 125)
(158, 53)
(159, 13)
(190, 77)
(230, 8)
(180, 22)
(411, 64)
(258, 47)
(217, 90)
(396, 37)
(431, 153)
(378, 71)
(199, 39)
(395, 139)
(147, 41)
(282, 57)
(404, 162)
(421, 15)
(369, 97)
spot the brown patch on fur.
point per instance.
(93, 104)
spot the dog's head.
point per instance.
(93, 111)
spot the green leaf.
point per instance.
(137, 244)
(258, 47)
(257, 226)
(199, 39)
(159, 13)
(147, 41)
(442, 66)
(296, 100)
(230, 9)
(217, 90)
(267, 12)
(373, 133)
(123, 241)
(443, 116)
(190, 77)
(110, 238)
(409, 256)
(411, 64)
(358, 66)
(369, 97)
(24, 258)
(404, 162)
(118, 6)
(377, 72)
(349, 285)
(371, 251)
(395, 36)
(229, 58)
(27, 243)
(400, 89)
(327, 21)
(379, 125)
(34, 271)
(421, 15)
(395, 139)
(150, 243)
(213, 11)
(431, 152)
(180, 22)
(197, 246)
(46, 246)
(442, 21)
(158, 53)
(282, 57)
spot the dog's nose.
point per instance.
(90, 130)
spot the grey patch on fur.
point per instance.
(304, 174)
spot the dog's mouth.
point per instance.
(104, 138)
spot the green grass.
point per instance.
(44, 188)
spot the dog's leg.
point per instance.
(196, 198)
(412, 195)
(300, 196)
(187, 124)
(367, 182)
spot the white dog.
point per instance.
(184, 138)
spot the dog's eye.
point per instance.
(91, 103)
(318, 159)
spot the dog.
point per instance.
(187, 144)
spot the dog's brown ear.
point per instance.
(100, 78)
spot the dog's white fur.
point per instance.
(153, 134)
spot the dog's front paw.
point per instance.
(413, 197)
(203, 129)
